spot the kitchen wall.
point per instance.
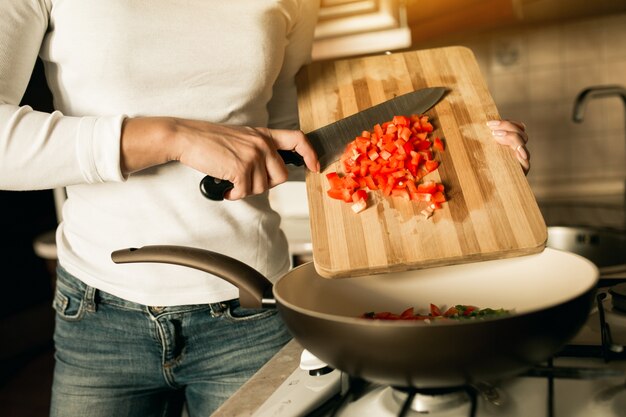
(534, 74)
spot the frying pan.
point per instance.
(551, 294)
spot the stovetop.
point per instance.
(587, 378)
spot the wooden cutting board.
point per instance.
(491, 211)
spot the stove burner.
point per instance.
(431, 400)
(364, 399)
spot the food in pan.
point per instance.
(392, 158)
(457, 312)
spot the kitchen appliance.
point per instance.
(491, 212)
(585, 378)
(605, 247)
(550, 294)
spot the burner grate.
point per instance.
(413, 393)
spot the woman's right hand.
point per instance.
(245, 156)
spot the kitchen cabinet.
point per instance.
(434, 20)
(359, 27)
(553, 10)
(440, 20)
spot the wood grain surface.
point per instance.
(491, 212)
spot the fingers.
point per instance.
(243, 155)
(269, 169)
(257, 167)
(512, 134)
(295, 140)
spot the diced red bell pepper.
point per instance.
(430, 166)
(427, 187)
(393, 158)
(359, 198)
(400, 121)
(438, 145)
(434, 310)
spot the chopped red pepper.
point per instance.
(438, 145)
(458, 311)
(393, 158)
(434, 310)
(359, 197)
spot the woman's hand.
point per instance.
(512, 134)
(243, 155)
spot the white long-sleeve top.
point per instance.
(222, 61)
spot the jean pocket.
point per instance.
(68, 303)
(237, 313)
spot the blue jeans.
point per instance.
(118, 358)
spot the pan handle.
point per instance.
(255, 291)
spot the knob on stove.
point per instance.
(311, 363)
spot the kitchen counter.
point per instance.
(259, 388)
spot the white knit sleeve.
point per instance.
(42, 150)
(283, 107)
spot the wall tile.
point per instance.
(549, 117)
(545, 83)
(509, 52)
(614, 32)
(558, 159)
(582, 41)
(615, 69)
(594, 157)
(545, 47)
(613, 117)
(515, 111)
(613, 144)
(509, 87)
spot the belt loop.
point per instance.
(217, 309)
(89, 299)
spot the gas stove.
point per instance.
(587, 378)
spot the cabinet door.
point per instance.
(439, 21)
(360, 27)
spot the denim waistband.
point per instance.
(92, 297)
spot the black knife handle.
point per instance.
(215, 188)
(291, 157)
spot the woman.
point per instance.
(151, 97)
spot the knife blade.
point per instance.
(329, 141)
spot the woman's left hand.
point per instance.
(512, 134)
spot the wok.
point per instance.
(551, 294)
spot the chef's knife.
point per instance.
(330, 141)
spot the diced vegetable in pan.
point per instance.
(457, 312)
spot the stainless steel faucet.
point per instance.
(598, 91)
